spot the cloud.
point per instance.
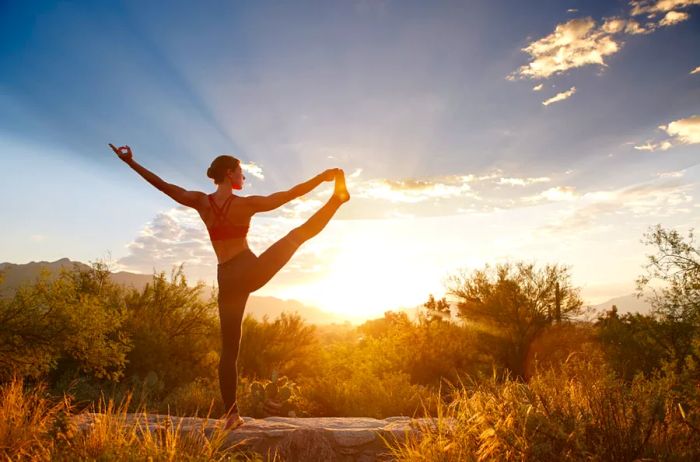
(414, 190)
(621, 25)
(581, 42)
(660, 197)
(253, 169)
(300, 207)
(651, 7)
(575, 43)
(572, 10)
(674, 17)
(538, 87)
(560, 96)
(523, 181)
(173, 237)
(651, 147)
(676, 174)
(696, 70)
(178, 236)
(686, 131)
(554, 194)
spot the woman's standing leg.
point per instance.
(278, 254)
(231, 308)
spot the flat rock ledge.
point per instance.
(292, 439)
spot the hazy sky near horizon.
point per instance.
(472, 132)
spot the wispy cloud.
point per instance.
(538, 87)
(651, 7)
(662, 197)
(618, 25)
(558, 193)
(686, 131)
(560, 96)
(173, 237)
(413, 190)
(575, 43)
(681, 131)
(523, 181)
(675, 174)
(581, 42)
(651, 147)
(696, 70)
(253, 169)
(674, 17)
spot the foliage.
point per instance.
(174, 333)
(581, 412)
(675, 265)
(511, 304)
(286, 345)
(71, 326)
(272, 397)
(33, 427)
(631, 342)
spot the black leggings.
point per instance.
(246, 273)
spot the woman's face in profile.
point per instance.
(237, 178)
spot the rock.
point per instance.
(294, 439)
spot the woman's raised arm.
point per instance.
(194, 199)
(278, 199)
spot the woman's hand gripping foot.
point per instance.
(341, 190)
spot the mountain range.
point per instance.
(15, 275)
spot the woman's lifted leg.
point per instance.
(278, 254)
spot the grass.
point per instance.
(578, 413)
(35, 427)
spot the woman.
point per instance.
(227, 217)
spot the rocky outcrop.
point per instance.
(293, 439)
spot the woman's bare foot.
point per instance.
(341, 191)
(233, 421)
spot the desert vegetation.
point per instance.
(509, 364)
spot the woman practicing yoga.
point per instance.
(240, 272)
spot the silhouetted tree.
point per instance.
(511, 304)
(676, 303)
(437, 310)
(286, 345)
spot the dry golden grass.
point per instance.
(579, 413)
(33, 427)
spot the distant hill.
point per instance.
(625, 304)
(15, 275)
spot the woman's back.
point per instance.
(227, 221)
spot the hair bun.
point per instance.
(209, 173)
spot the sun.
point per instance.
(378, 272)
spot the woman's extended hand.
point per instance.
(329, 175)
(124, 152)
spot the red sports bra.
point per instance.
(222, 229)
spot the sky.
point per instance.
(471, 133)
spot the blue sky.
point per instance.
(429, 107)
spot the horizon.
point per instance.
(560, 138)
(639, 307)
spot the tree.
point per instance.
(676, 264)
(675, 267)
(437, 310)
(67, 327)
(511, 304)
(174, 330)
(286, 345)
(630, 342)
